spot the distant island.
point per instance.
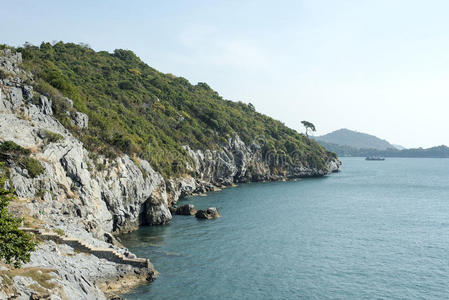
(354, 139)
(349, 143)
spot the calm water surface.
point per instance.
(377, 230)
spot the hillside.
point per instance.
(354, 139)
(135, 109)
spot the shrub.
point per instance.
(9, 147)
(10, 151)
(59, 232)
(46, 89)
(5, 74)
(15, 245)
(50, 136)
(33, 166)
(125, 85)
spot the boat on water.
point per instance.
(374, 158)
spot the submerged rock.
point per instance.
(210, 213)
(186, 210)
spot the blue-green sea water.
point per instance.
(376, 230)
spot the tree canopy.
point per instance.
(308, 126)
(15, 245)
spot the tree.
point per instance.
(308, 126)
(15, 245)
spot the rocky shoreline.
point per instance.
(92, 197)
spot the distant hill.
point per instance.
(399, 147)
(354, 139)
(347, 142)
(433, 152)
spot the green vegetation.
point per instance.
(40, 275)
(4, 74)
(59, 232)
(50, 136)
(10, 151)
(135, 109)
(15, 245)
(308, 126)
(32, 165)
(9, 147)
(434, 152)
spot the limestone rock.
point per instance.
(16, 97)
(27, 92)
(10, 61)
(333, 166)
(186, 210)
(81, 120)
(156, 210)
(68, 102)
(45, 105)
(210, 213)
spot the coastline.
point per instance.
(93, 198)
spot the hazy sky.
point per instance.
(380, 67)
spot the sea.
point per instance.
(375, 230)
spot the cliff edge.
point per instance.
(91, 195)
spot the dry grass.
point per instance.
(37, 288)
(44, 159)
(33, 149)
(59, 232)
(21, 115)
(22, 200)
(32, 222)
(69, 193)
(72, 195)
(40, 275)
(19, 210)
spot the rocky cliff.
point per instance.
(91, 196)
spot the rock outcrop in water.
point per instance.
(210, 213)
(186, 210)
(90, 196)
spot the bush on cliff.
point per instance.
(15, 245)
(10, 151)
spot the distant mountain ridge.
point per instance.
(354, 139)
(345, 151)
(399, 147)
(347, 142)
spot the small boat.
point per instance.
(374, 158)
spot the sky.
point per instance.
(379, 67)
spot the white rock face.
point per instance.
(73, 274)
(45, 105)
(70, 177)
(102, 201)
(10, 61)
(81, 120)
